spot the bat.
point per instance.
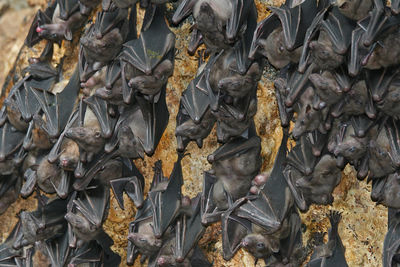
(10, 141)
(10, 187)
(379, 81)
(41, 18)
(65, 20)
(146, 53)
(221, 188)
(58, 250)
(11, 257)
(86, 6)
(89, 210)
(331, 253)
(46, 222)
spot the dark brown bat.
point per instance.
(391, 243)
(234, 166)
(88, 212)
(332, 253)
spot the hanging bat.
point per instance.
(385, 191)
(151, 59)
(280, 36)
(46, 222)
(15, 257)
(88, 212)
(41, 18)
(331, 253)
(65, 20)
(333, 41)
(308, 119)
(220, 23)
(89, 133)
(230, 179)
(383, 152)
(166, 203)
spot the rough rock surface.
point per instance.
(364, 224)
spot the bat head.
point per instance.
(260, 246)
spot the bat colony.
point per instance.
(339, 82)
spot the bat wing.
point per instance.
(297, 82)
(301, 157)
(64, 186)
(361, 124)
(234, 229)
(235, 146)
(262, 31)
(392, 240)
(58, 250)
(269, 208)
(395, 6)
(295, 21)
(109, 19)
(379, 81)
(195, 100)
(392, 128)
(209, 211)
(100, 109)
(155, 116)
(10, 140)
(55, 150)
(93, 203)
(166, 203)
(152, 47)
(198, 258)
(90, 253)
(113, 73)
(188, 230)
(310, 35)
(132, 183)
(339, 29)
(242, 11)
(57, 108)
(183, 11)
(67, 8)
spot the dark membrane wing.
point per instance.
(109, 19)
(262, 31)
(155, 116)
(100, 109)
(379, 81)
(58, 250)
(10, 140)
(234, 229)
(270, 207)
(92, 203)
(183, 11)
(189, 230)
(166, 203)
(67, 8)
(195, 101)
(152, 47)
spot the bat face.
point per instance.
(355, 10)
(323, 54)
(347, 144)
(260, 246)
(327, 88)
(308, 118)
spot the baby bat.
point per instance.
(332, 253)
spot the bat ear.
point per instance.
(68, 35)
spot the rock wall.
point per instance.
(364, 224)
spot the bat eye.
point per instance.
(352, 149)
(142, 240)
(97, 134)
(53, 35)
(260, 245)
(281, 48)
